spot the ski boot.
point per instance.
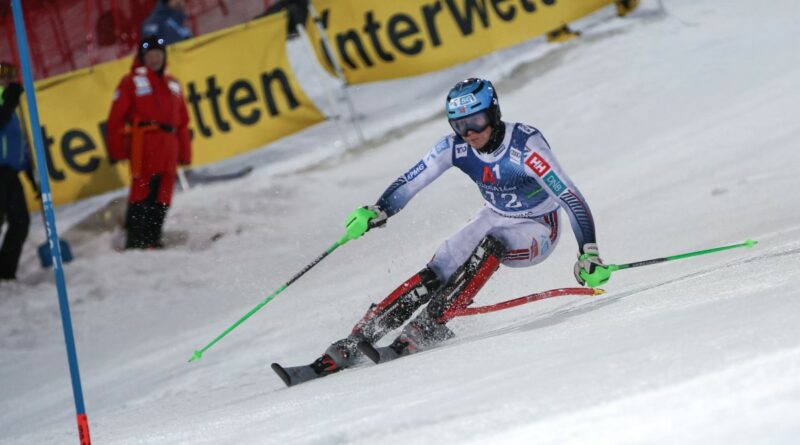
(422, 333)
(340, 355)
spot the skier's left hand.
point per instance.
(360, 220)
(589, 269)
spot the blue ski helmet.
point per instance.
(471, 96)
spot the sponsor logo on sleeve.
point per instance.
(516, 155)
(461, 150)
(415, 171)
(441, 146)
(526, 129)
(437, 150)
(537, 164)
(554, 182)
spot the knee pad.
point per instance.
(398, 306)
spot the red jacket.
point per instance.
(145, 96)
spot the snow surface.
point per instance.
(680, 127)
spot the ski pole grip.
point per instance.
(357, 223)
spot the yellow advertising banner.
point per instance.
(239, 88)
(379, 40)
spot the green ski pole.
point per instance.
(592, 281)
(198, 354)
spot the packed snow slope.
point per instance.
(680, 127)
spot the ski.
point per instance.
(378, 355)
(294, 375)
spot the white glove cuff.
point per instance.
(590, 248)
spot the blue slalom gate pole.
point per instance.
(50, 221)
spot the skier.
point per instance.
(148, 124)
(523, 186)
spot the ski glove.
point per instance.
(589, 269)
(360, 220)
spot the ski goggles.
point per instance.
(475, 122)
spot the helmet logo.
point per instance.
(463, 101)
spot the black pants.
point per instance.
(144, 221)
(13, 210)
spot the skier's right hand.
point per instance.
(360, 220)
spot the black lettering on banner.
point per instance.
(402, 26)
(506, 15)
(405, 33)
(213, 94)
(351, 36)
(237, 101)
(240, 99)
(465, 22)
(323, 21)
(266, 80)
(71, 151)
(528, 5)
(372, 27)
(56, 175)
(194, 101)
(430, 11)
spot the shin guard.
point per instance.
(467, 280)
(398, 307)
(429, 328)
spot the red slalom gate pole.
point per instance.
(578, 291)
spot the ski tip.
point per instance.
(599, 291)
(750, 243)
(282, 373)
